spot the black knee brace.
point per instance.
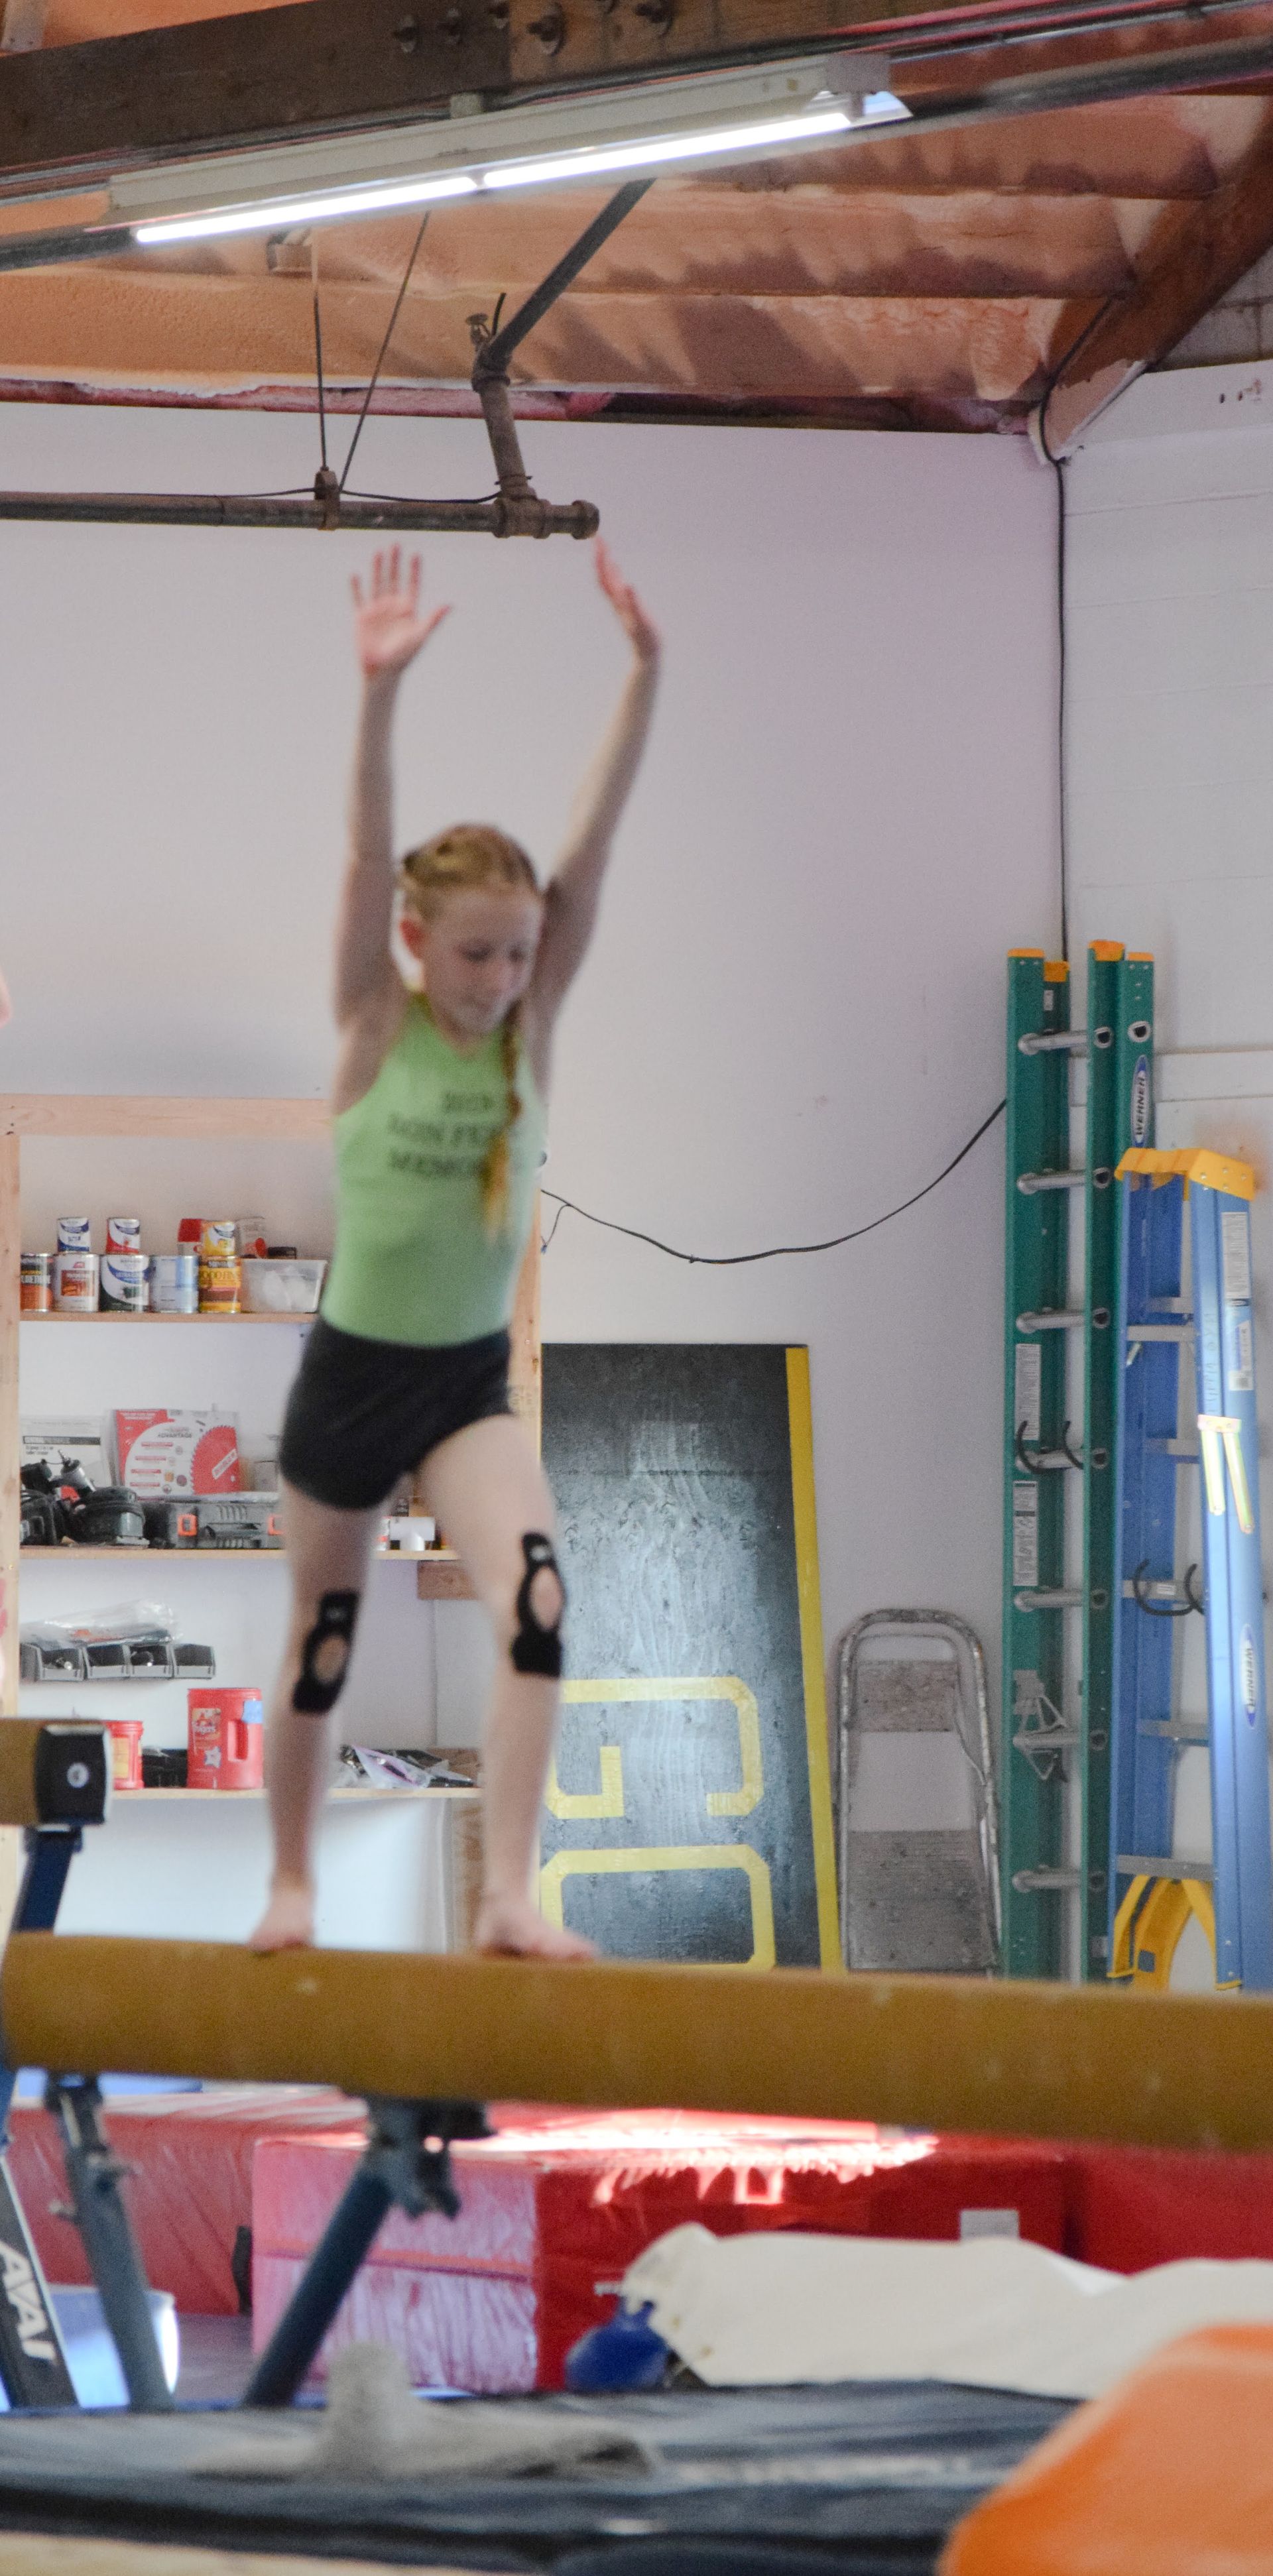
(337, 1616)
(536, 1646)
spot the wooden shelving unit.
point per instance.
(440, 1576)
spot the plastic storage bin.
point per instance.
(282, 1287)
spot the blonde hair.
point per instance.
(477, 856)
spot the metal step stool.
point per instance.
(924, 1898)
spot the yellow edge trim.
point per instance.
(1106, 951)
(1197, 1163)
(800, 1423)
(1025, 952)
(1055, 971)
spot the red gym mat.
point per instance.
(1133, 2206)
(190, 2157)
(559, 2202)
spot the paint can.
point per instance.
(218, 1240)
(75, 1283)
(123, 1234)
(37, 1283)
(125, 1734)
(220, 1284)
(174, 1283)
(226, 1736)
(125, 1286)
(74, 1234)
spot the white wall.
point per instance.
(793, 1016)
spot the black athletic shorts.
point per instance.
(362, 1414)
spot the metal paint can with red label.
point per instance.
(75, 1283)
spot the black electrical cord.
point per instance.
(776, 1251)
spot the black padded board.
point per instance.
(672, 1469)
(866, 2478)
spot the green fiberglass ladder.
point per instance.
(1055, 1848)
(1152, 1889)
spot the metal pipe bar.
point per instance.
(494, 354)
(502, 517)
(1041, 2059)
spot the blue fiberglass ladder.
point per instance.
(1154, 1890)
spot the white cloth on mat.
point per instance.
(775, 2309)
(374, 2427)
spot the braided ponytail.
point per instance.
(476, 855)
(498, 1161)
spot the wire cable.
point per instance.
(384, 347)
(776, 1251)
(318, 353)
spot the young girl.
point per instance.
(439, 1128)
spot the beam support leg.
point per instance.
(407, 2163)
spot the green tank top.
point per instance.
(415, 1260)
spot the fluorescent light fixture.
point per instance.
(668, 124)
(659, 150)
(283, 213)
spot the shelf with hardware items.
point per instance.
(32, 1119)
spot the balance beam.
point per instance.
(931, 2052)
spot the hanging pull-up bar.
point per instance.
(515, 510)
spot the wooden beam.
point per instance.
(274, 73)
(1193, 259)
(932, 2052)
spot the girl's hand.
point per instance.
(388, 627)
(643, 637)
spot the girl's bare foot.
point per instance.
(511, 1926)
(288, 1920)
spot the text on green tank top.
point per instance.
(416, 1259)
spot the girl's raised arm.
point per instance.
(574, 888)
(389, 630)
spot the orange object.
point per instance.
(125, 1735)
(1171, 2472)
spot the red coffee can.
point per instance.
(226, 1739)
(125, 1735)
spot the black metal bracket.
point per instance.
(1039, 1461)
(406, 2165)
(1167, 1609)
